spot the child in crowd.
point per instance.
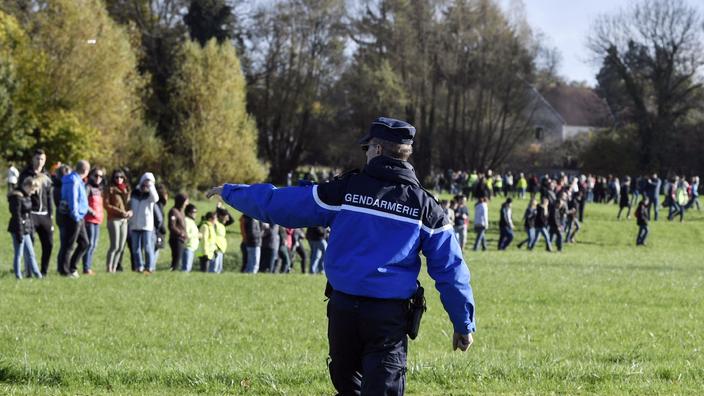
(642, 218)
(207, 230)
(192, 238)
(21, 227)
(221, 218)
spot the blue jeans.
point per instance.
(642, 234)
(254, 253)
(655, 205)
(93, 231)
(481, 238)
(544, 232)
(215, 264)
(317, 255)
(505, 237)
(23, 244)
(187, 260)
(530, 231)
(143, 242)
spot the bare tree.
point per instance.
(652, 54)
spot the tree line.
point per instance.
(204, 91)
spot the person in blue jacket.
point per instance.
(380, 219)
(72, 209)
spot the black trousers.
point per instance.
(44, 228)
(368, 345)
(74, 244)
(176, 246)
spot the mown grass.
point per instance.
(602, 317)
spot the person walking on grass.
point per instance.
(117, 206)
(461, 219)
(143, 202)
(71, 218)
(481, 223)
(21, 227)
(381, 219)
(693, 194)
(557, 214)
(505, 225)
(192, 240)
(94, 217)
(42, 206)
(541, 225)
(573, 209)
(642, 219)
(652, 191)
(529, 224)
(625, 199)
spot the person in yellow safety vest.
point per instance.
(522, 186)
(498, 185)
(220, 243)
(192, 238)
(490, 185)
(207, 230)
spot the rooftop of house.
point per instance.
(578, 106)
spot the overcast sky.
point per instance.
(566, 23)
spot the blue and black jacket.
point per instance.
(380, 219)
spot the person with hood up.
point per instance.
(142, 202)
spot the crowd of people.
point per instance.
(79, 200)
(556, 205)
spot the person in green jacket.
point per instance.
(192, 238)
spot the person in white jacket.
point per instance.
(481, 223)
(142, 203)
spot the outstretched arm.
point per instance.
(292, 207)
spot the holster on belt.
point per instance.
(415, 312)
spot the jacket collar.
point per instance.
(390, 169)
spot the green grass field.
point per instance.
(602, 317)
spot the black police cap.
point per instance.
(390, 129)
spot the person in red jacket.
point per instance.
(94, 218)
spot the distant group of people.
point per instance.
(556, 208)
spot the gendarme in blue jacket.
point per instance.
(380, 219)
(73, 192)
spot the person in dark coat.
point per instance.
(177, 230)
(625, 199)
(541, 225)
(253, 243)
(642, 219)
(21, 227)
(42, 206)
